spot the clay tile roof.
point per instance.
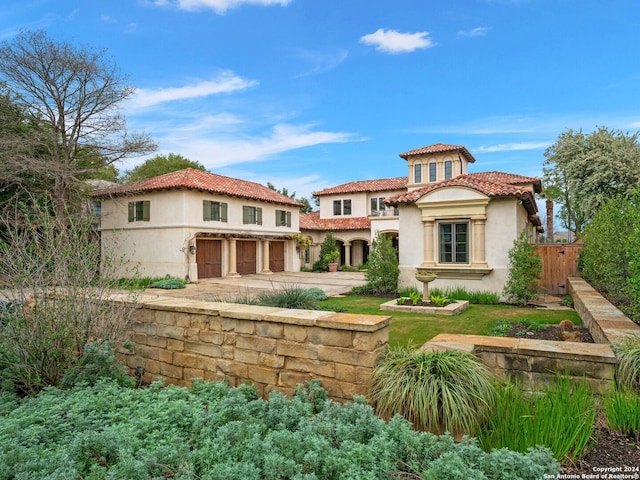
(366, 186)
(491, 184)
(191, 179)
(312, 221)
(440, 148)
(509, 179)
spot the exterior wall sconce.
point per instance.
(192, 249)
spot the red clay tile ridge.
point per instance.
(312, 221)
(190, 179)
(366, 186)
(440, 148)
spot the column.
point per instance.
(347, 254)
(479, 256)
(232, 258)
(429, 251)
(265, 257)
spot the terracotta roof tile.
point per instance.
(312, 221)
(491, 184)
(440, 148)
(191, 179)
(366, 186)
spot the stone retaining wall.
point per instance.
(606, 323)
(538, 360)
(272, 348)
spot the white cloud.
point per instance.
(510, 147)
(392, 41)
(218, 6)
(225, 83)
(474, 32)
(215, 151)
(320, 61)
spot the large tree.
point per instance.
(159, 165)
(73, 95)
(583, 171)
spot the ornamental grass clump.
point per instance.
(438, 391)
(628, 363)
(622, 409)
(560, 417)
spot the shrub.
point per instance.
(288, 296)
(408, 291)
(382, 272)
(328, 253)
(98, 362)
(171, 283)
(525, 270)
(628, 363)
(622, 409)
(214, 431)
(316, 293)
(611, 262)
(58, 281)
(561, 417)
(438, 391)
(479, 297)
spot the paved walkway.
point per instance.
(229, 288)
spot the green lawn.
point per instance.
(417, 328)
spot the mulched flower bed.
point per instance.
(608, 450)
(552, 332)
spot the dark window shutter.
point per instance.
(245, 214)
(278, 218)
(146, 210)
(206, 210)
(288, 219)
(259, 216)
(132, 207)
(223, 212)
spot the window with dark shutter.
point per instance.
(139, 211)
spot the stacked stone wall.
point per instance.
(272, 348)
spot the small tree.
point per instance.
(525, 270)
(382, 272)
(56, 284)
(328, 253)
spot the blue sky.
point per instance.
(308, 94)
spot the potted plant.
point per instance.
(330, 258)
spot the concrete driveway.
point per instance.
(229, 288)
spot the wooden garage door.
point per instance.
(245, 257)
(276, 256)
(209, 258)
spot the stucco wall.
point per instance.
(274, 349)
(504, 219)
(159, 247)
(359, 205)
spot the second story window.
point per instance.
(448, 169)
(377, 205)
(417, 173)
(433, 172)
(139, 211)
(252, 215)
(214, 211)
(283, 218)
(342, 207)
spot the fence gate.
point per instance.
(559, 261)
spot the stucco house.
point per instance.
(352, 211)
(193, 224)
(444, 220)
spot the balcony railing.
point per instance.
(391, 212)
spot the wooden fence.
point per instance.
(559, 261)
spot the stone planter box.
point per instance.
(453, 308)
